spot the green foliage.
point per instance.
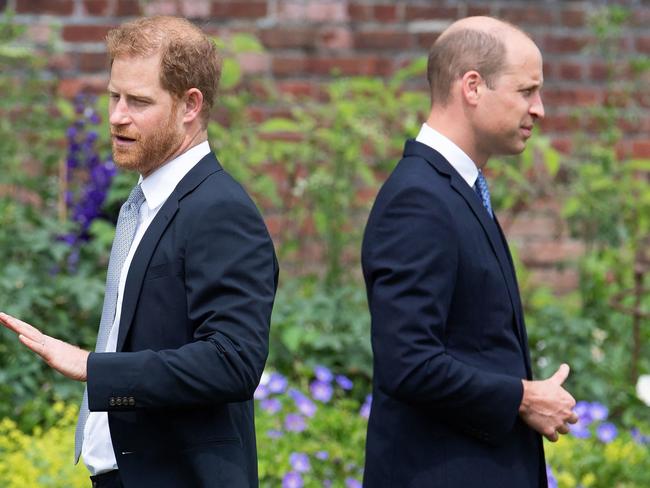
(333, 439)
(43, 459)
(590, 463)
(36, 283)
(312, 325)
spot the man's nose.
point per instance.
(537, 107)
(118, 112)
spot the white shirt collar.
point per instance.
(460, 161)
(161, 183)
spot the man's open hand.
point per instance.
(547, 407)
(67, 359)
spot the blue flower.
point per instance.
(580, 429)
(606, 432)
(322, 455)
(552, 482)
(344, 382)
(277, 383)
(365, 408)
(299, 461)
(294, 423)
(598, 411)
(323, 374)
(271, 405)
(292, 480)
(352, 483)
(304, 404)
(261, 392)
(321, 391)
(274, 434)
(583, 411)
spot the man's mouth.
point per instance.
(122, 139)
(527, 130)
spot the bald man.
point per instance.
(454, 404)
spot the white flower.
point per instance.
(643, 388)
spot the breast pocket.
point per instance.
(160, 270)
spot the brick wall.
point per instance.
(307, 39)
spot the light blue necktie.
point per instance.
(127, 223)
(483, 192)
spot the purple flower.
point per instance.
(274, 434)
(344, 382)
(323, 374)
(292, 480)
(261, 392)
(277, 383)
(304, 404)
(583, 411)
(365, 408)
(271, 405)
(321, 391)
(598, 411)
(299, 462)
(322, 455)
(352, 483)
(580, 429)
(552, 482)
(327, 483)
(294, 423)
(606, 432)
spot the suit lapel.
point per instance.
(149, 242)
(489, 226)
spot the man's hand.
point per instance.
(547, 407)
(67, 359)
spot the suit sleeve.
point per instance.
(410, 259)
(230, 281)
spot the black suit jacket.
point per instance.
(193, 340)
(448, 337)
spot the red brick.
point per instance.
(196, 9)
(254, 63)
(358, 12)
(302, 88)
(561, 281)
(335, 38)
(425, 12)
(97, 7)
(527, 15)
(382, 39)
(85, 33)
(527, 225)
(570, 71)
(288, 65)
(425, 40)
(557, 123)
(599, 71)
(61, 62)
(350, 66)
(128, 8)
(564, 44)
(641, 149)
(551, 252)
(161, 7)
(478, 10)
(643, 44)
(288, 37)
(573, 17)
(54, 7)
(93, 62)
(557, 96)
(313, 11)
(242, 10)
(562, 144)
(641, 16)
(69, 87)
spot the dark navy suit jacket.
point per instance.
(193, 340)
(448, 337)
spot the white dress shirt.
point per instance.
(461, 162)
(97, 448)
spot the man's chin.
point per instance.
(128, 164)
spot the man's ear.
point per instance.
(472, 84)
(193, 103)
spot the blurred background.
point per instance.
(317, 98)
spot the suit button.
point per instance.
(111, 402)
(119, 401)
(132, 401)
